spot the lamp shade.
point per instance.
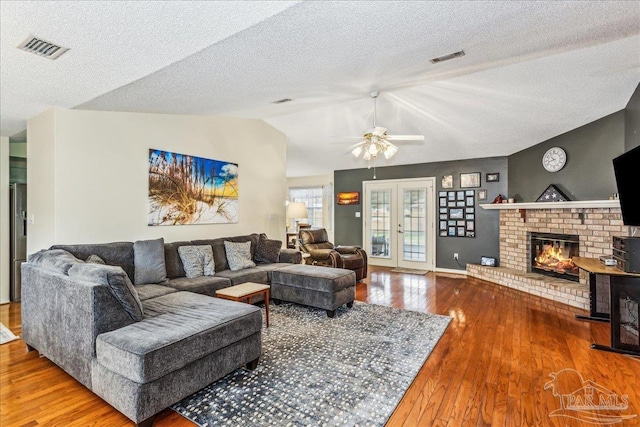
(296, 210)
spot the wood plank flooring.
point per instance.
(489, 368)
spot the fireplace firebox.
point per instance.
(551, 255)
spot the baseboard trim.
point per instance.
(451, 271)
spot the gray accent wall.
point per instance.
(632, 121)
(348, 228)
(588, 173)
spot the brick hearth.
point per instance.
(594, 226)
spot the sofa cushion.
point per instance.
(238, 255)
(118, 282)
(58, 260)
(148, 256)
(95, 259)
(253, 274)
(219, 254)
(116, 253)
(269, 268)
(205, 285)
(267, 250)
(149, 291)
(172, 260)
(197, 260)
(184, 328)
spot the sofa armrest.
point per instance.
(347, 249)
(291, 256)
(62, 317)
(363, 253)
(328, 257)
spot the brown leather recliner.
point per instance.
(322, 252)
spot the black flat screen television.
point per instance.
(627, 170)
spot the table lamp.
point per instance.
(295, 211)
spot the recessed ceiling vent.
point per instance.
(282, 101)
(42, 47)
(447, 57)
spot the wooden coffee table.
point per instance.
(244, 292)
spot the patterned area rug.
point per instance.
(409, 271)
(351, 370)
(6, 335)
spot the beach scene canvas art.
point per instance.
(187, 189)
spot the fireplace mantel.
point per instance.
(593, 204)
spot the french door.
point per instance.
(399, 223)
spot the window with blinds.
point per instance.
(313, 198)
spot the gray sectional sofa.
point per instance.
(143, 338)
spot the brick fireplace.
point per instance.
(594, 223)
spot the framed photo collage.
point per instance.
(457, 214)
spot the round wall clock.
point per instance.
(554, 159)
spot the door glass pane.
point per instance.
(413, 225)
(380, 223)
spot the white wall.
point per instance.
(99, 174)
(4, 220)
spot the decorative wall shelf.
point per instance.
(592, 204)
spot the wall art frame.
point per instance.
(447, 181)
(186, 190)
(470, 180)
(457, 213)
(348, 198)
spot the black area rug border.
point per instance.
(339, 405)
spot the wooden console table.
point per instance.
(621, 284)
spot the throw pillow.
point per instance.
(267, 250)
(148, 260)
(238, 255)
(197, 260)
(118, 282)
(95, 259)
(57, 260)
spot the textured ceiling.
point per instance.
(532, 70)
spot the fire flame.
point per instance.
(552, 258)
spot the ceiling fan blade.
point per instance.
(351, 147)
(345, 138)
(405, 137)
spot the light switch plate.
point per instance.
(357, 214)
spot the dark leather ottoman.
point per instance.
(322, 287)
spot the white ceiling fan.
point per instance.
(376, 141)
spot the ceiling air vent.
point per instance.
(447, 57)
(282, 101)
(42, 47)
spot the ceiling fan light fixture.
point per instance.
(376, 141)
(389, 151)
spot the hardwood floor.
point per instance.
(489, 368)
